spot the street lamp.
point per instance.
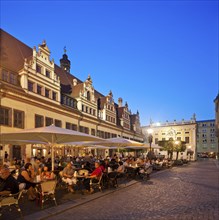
(189, 150)
(150, 137)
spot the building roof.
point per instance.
(209, 120)
(12, 57)
(17, 51)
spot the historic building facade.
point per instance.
(207, 141)
(216, 101)
(36, 92)
(179, 131)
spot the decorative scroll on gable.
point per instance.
(109, 98)
(88, 90)
(43, 53)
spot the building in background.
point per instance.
(176, 131)
(36, 92)
(216, 101)
(207, 142)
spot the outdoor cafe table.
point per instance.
(81, 175)
(132, 171)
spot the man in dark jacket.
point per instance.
(10, 183)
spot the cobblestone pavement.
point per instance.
(182, 193)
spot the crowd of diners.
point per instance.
(25, 171)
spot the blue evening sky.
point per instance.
(161, 57)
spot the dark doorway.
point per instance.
(16, 151)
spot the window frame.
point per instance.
(39, 121)
(18, 118)
(4, 118)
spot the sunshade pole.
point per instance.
(52, 156)
(52, 152)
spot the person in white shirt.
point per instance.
(68, 176)
(121, 168)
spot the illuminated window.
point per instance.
(178, 138)
(187, 140)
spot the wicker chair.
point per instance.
(47, 191)
(98, 184)
(9, 201)
(60, 182)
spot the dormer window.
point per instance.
(5, 75)
(13, 78)
(8, 77)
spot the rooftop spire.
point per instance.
(65, 62)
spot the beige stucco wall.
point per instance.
(170, 131)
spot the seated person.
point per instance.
(47, 174)
(140, 162)
(95, 175)
(37, 166)
(27, 176)
(121, 168)
(87, 166)
(113, 164)
(68, 176)
(48, 163)
(126, 162)
(147, 163)
(2, 184)
(106, 165)
(102, 166)
(7, 162)
(10, 183)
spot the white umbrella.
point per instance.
(145, 146)
(117, 142)
(100, 147)
(156, 146)
(50, 135)
(22, 142)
